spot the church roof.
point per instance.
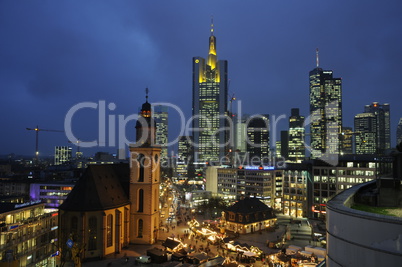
(100, 188)
(249, 210)
(248, 205)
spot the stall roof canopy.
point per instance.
(170, 243)
(198, 256)
(214, 262)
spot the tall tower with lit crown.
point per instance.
(325, 112)
(144, 180)
(210, 101)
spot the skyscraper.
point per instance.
(210, 100)
(161, 121)
(185, 154)
(284, 145)
(241, 134)
(365, 131)
(325, 112)
(296, 146)
(258, 144)
(399, 132)
(382, 130)
(62, 154)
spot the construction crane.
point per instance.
(37, 130)
(233, 98)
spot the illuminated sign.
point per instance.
(15, 226)
(27, 204)
(259, 168)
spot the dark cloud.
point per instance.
(55, 54)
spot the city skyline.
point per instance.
(56, 55)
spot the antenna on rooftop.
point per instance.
(212, 24)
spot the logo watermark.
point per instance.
(217, 131)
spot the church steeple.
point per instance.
(145, 180)
(212, 58)
(145, 126)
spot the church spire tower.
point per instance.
(144, 180)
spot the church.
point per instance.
(112, 206)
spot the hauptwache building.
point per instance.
(112, 206)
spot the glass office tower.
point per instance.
(210, 101)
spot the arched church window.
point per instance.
(141, 162)
(109, 230)
(140, 200)
(140, 228)
(92, 229)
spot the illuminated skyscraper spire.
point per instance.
(212, 47)
(317, 58)
(212, 25)
(210, 91)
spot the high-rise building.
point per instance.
(284, 144)
(184, 157)
(382, 130)
(210, 101)
(62, 154)
(278, 148)
(365, 131)
(241, 134)
(258, 138)
(399, 132)
(347, 140)
(185, 148)
(296, 145)
(161, 121)
(325, 112)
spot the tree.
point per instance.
(213, 207)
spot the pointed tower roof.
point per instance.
(212, 47)
(146, 107)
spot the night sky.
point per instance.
(57, 54)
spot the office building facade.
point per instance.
(210, 101)
(62, 154)
(399, 132)
(327, 181)
(296, 145)
(258, 143)
(382, 129)
(184, 156)
(325, 112)
(29, 235)
(294, 195)
(161, 120)
(283, 145)
(366, 133)
(241, 134)
(264, 183)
